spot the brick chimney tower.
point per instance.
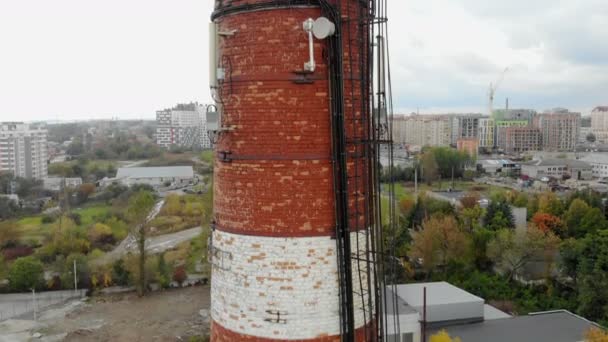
(279, 197)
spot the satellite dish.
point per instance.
(323, 28)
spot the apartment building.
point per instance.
(486, 132)
(423, 130)
(599, 123)
(501, 131)
(559, 129)
(23, 150)
(183, 125)
(522, 139)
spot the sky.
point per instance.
(84, 59)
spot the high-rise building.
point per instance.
(522, 139)
(486, 133)
(423, 130)
(501, 131)
(183, 125)
(559, 129)
(599, 123)
(23, 150)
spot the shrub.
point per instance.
(120, 273)
(25, 274)
(48, 219)
(180, 275)
(13, 253)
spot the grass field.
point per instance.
(32, 228)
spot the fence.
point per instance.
(22, 305)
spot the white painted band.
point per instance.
(281, 288)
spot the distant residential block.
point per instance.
(599, 123)
(559, 129)
(422, 130)
(522, 139)
(183, 125)
(23, 150)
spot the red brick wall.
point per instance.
(219, 334)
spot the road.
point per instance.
(155, 244)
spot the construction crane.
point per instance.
(492, 91)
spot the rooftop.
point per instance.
(555, 326)
(596, 158)
(559, 162)
(155, 172)
(437, 293)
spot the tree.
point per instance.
(592, 276)
(470, 218)
(138, 210)
(593, 221)
(469, 200)
(549, 203)
(499, 215)
(25, 274)
(430, 170)
(84, 191)
(164, 272)
(8, 208)
(100, 234)
(521, 200)
(596, 335)
(9, 234)
(574, 216)
(511, 250)
(439, 242)
(173, 205)
(443, 336)
(548, 223)
(590, 138)
(570, 256)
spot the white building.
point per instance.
(183, 125)
(446, 305)
(558, 168)
(55, 183)
(599, 123)
(599, 164)
(175, 176)
(23, 150)
(423, 130)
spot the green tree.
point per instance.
(164, 272)
(592, 277)
(138, 210)
(549, 203)
(592, 221)
(574, 216)
(25, 274)
(440, 241)
(499, 215)
(511, 250)
(430, 170)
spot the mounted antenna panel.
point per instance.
(323, 28)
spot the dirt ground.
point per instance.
(171, 315)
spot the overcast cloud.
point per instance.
(79, 59)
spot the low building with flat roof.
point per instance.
(558, 168)
(155, 176)
(466, 316)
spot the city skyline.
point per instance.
(79, 67)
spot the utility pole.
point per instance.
(34, 301)
(416, 180)
(75, 279)
(453, 178)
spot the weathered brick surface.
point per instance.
(257, 280)
(221, 334)
(274, 196)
